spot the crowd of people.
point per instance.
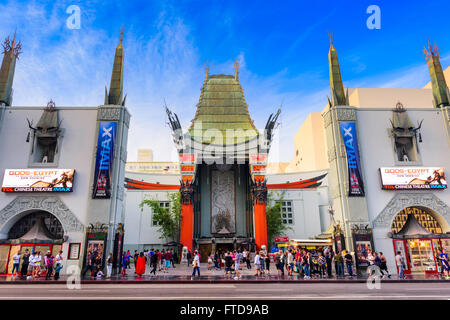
(33, 265)
(307, 264)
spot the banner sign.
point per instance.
(348, 131)
(281, 239)
(401, 178)
(38, 180)
(104, 159)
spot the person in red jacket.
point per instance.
(140, 264)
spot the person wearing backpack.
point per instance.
(49, 264)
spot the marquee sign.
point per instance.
(348, 131)
(187, 167)
(38, 180)
(407, 178)
(104, 159)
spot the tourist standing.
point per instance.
(189, 257)
(167, 258)
(257, 263)
(109, 265)
(196, 264)
(25, 263)
(445, 263)
(228, 263)
(124, 264)
(400, 265)
(16, 263)
(237, 264)
(159, 259)
(140, 264)
(37, 264)
(349, 263)
(135, 257)
(328, 261)
(339, 264)
(59, 258)
(305, 264)
(322, 262)
(49, 264)
(290, 261)
(267, 264)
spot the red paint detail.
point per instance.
(187, 225)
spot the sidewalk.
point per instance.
(182, 274)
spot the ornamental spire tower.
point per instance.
(11, 51)
(116, 87)
(338, 97)
(440, 90)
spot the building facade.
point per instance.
(61, 170)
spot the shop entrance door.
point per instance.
(422, 256)
(400, 245)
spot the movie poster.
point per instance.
(406, 178)
(356, 187)
(104, 159)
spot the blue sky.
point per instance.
(282, 46)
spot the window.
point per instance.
(162, 204)
(287, 214)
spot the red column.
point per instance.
(260, 224)
(187, 225)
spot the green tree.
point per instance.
(275, 225)
(169, 220)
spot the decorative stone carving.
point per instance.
(108, 113)
(404, 200)
(327, 119)
(259, 192)
(223, 206)
(346, 114)
(50, 204)
(331, 154)
(187, 193)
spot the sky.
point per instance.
(282, 47)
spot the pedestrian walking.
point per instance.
(237, 264)
(383, 265)
(90, 264)
(210, 262)
(196, 265)
(247, 260)
(25, 264)
(59, 258)
(153, 263)
(400, 265)
(349, 263)
(109, 265)
(189, 257)
(16, 263)
(58, 268)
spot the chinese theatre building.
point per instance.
(388, 154)
(222, 160)
(61, 171)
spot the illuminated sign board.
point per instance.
(407, 178)
(38, 180)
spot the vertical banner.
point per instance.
(104, 159)
(348, 131)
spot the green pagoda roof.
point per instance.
(222, 107)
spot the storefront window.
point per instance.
(421, 253)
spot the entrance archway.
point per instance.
(418, 236)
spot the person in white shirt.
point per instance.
(59, 258)
(257, 264)
(16, 263)
(196, 264)
(400, 264)
(37, 264)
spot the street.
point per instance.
(232, 291)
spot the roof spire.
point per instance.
(338, 97)
(207, 66)
(11, 51)
(116, 86)
(440, 90)
(236, 69)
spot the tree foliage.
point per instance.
(275, 225)
(169, 220)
